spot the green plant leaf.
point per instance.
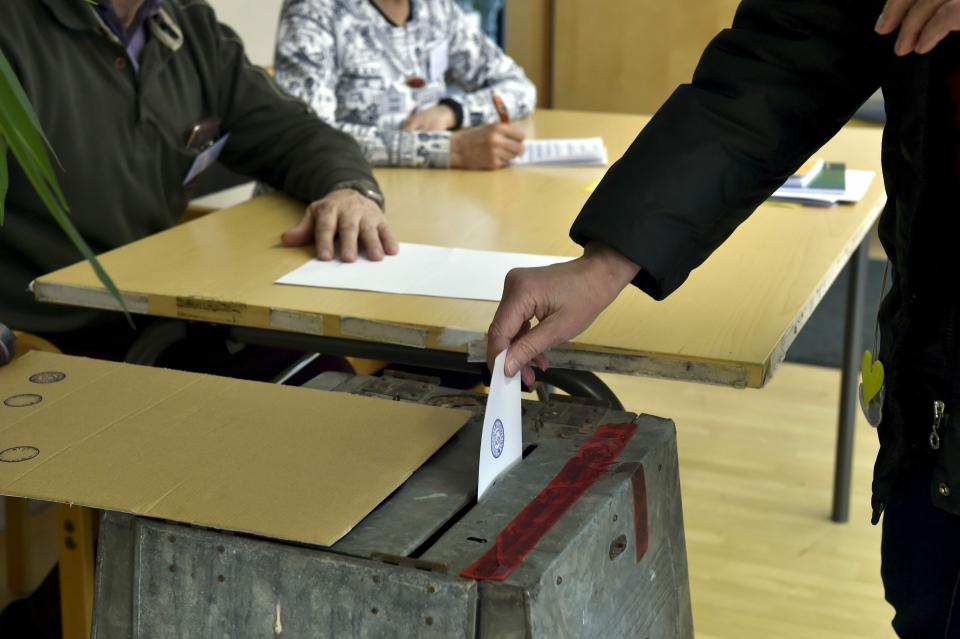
(26, 142)
(4, 177)
(63, 221)
(10, 82)
(20, 131)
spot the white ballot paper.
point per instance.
(420, 269)
(501, 445)
(578, 151)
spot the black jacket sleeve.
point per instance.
(275, 137)
(766, 95)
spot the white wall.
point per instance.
(255, 21)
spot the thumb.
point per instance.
(532, 344)
(300, 234)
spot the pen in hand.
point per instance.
(501, 109)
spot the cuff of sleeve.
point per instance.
(366, 188)
(665, 253)
(457, 109)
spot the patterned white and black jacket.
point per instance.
(365, 75)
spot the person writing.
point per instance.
(766, 95)
(378, 70)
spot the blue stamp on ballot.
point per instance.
(497, 438)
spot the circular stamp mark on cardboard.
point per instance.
(497, 438)
(48, 377)
(23, 400)
(18, 454)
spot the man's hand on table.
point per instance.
(565, 298)
(349, 216)
(922, 23)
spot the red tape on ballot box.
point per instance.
(519, 537)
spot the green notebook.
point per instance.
(832, 177)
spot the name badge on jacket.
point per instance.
(206, 158)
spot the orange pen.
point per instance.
(501, 109)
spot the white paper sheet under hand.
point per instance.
(420, 269)
(578, 151)
(501, 444)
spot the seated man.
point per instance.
(378, 70)
(130, 93)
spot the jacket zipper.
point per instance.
(939, 409)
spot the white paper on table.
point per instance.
(579, 151)
(501, 444)
(856, 184)
(420, 269)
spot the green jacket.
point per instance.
(121, 137)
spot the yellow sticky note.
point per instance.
(590, 188)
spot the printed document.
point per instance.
(575, 151)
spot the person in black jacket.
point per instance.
(767, 94)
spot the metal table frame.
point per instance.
(849, 381)
(160, 335)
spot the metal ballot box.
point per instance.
(583, 538)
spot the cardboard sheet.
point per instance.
(421, 269)
(282, 462)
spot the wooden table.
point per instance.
(730, 324)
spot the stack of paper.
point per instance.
(853, 187)
(577, 151)
(419, 269)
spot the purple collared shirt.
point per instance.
(135, 38)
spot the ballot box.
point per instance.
(582, 538)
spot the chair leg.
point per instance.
(76, 570)
(17, 516)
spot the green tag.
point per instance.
(871, 376)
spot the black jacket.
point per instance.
(766, 95)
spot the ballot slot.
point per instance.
(436, 508)
(452, 521)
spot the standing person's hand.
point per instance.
(346, 214)
(565, 298)
(486, 147)
(439, 117)
(923, 23)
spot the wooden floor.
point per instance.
(756, 470)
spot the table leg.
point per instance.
(18, 543)
(76, 570)
(849, 383)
